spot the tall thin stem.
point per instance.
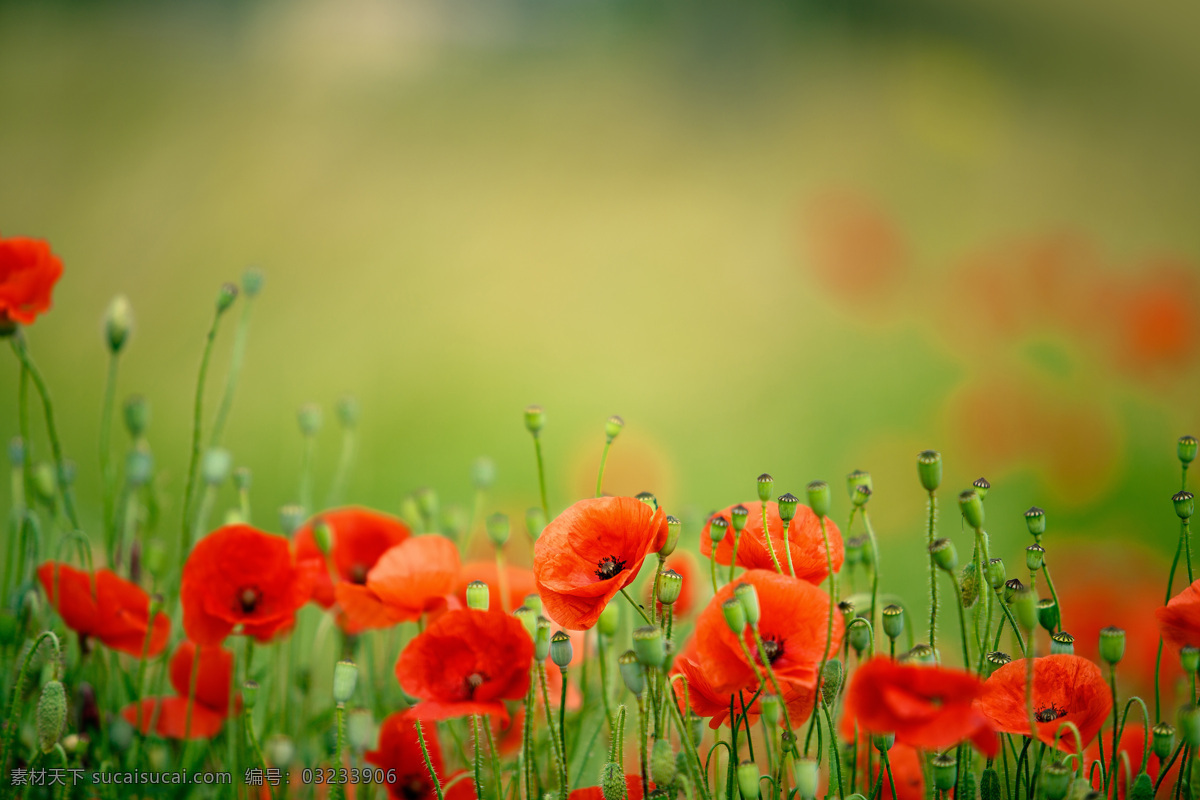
(537, 449)
(933, 586)
(600, 476)
(107, 470)
(235, 370)
(197, 424)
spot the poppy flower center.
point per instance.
(248, 597)
(414, 789)
(473, 682)
(1050, 713)
(358, 574)
(609, 567)
(773, 648)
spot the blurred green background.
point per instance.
(799, 238)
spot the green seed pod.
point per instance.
(929, 469)
(662, 762)
(859, 637)
(819, 498)
(738, 516)
(971, 505)
(479, 596)
(242, 479)
(831, 680)
(670, 585)
(1112, 644)
(137, 416)
(1143, 787)
(360, 729)
(856, 479)
(787, 507)
(528, 618)
(883, 742)
(454, 521)
(225, 297)
(747, 779)
(1187, 449)
(280, 750)
(1189, 658)
(944, 554)
(51, 715)
(631, 672)
(893, 621)
(252, 281)
(1185, 504)
(920, 654)
(118, 320)
(541, 639)
(996, 660)
(861, 495)
(1062, 643)
(310, 418)
(498, 529)
(535, 419)
(1035, 520)
(250, 694)
(771, 709)
(854, 550)
(1056, 780)
(945, 767)
(807, 776)
(291, 518)
(735, 615)
(648, 645)
(989, 785)
(345, 677)
(674, 528)
(717, 528)
(348, 411)
(648, 498)
(1035, 556)
(612, 781)
(215, 466)
(45, 485)
(1189, 725)
(139, 465)
(483, 473)
(747, 595)
(981, 487)
(1011, 587)
(1164, 740)
(1047, 611)
(968, 585)
(995, 572)
(613, 427)
(534, 601)
(155, 558)
(561, 649)
(765, 484)
(610, 618)
(1024, 606)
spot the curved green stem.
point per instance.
(603, 460)
(107, 477)
(770, 544)
(197, 424)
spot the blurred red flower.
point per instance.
(1131, 742)
(360, 537)
(706, 701)
(1179, 619)
(408, 580)
(399, 755)
(240, 576)
(804, 540)
(1066, 688)
(211, 705)
(466, 662)
(590, 552)
(793, 625)
(28, 272)
(905, 762)
(519, 581)
(685, 565)
(117, 613)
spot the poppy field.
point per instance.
(599, 648)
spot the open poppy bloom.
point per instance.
(360, 537)
(519, 582)
(168, 715)
(705, 701)
(926, 706)
(28, 272)
(466, 662)
(409, 579)
(804, 540)
(590, 552)
(240, 576)
(1179, 619)
(117, 613)
(633, 790)
(399, 752)
(794, 627)
(1065, 689)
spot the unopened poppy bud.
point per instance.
(631, 672)
(1035, 555)
(498, 529)
(613, 427)
(787, 507)
(16, 451)
(535, 419)
(1163, 741)
(291, 517)
(981, 486)
(971, 505)
(747, 778)
(929, 469)
(819, 498)
(648, 498)
(944, 554)
(1035, 520)
(735, 615)
(541, 639)
(919, 654)
(250, 694)
(309, 417)
(717, 528)
(883, 742)
(854, 550)
(1187, 449)
(1056, 780)
(118, 320)
(807, 775)
(995, 572)
(139, 466)
(610, 618)
(769, 704)
(831, 680)
(137, 415)
(528, 618)
(1185, 504)
(561, 650)
(1047, 612)
(969, 585)
(674, 527)
(893, 621)
(1062, 644)
(345, 677)
(945, 767)
(861, 495)
(1011, 587)
(348, 411)
(648, 645)
(737, 517)
(1189, 658)
(1189, 725)
(747, 595)
(989, 785)
(1112, 644)
(662, 762)
(859, 638)
(1024, 606)
(479, 596)
(612, 782)
(670, 585)
(216, 465)
(51, 715)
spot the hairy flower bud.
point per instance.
(929, 469)
(612, 781)
(670, 585)
(995, 572)
(831, 680)
(806, 773)
(51, 715)
(662, 762)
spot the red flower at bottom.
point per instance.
(633, 790)
(1131, 743)
(169, 715)
(1065, 689)
(405, 773)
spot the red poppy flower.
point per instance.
(466, 662)
(117, 613)
(633, 790)
(706, 701)
(409, 579)
(905, 762)
(685, 565)
(590, 552)
(28, 272)
(360, 537)
(925, 706)
(520, 583)
(210, 706)
(1179, 619)
(399, 756)
(804, 540)
(1131, 743)
(238, 575)
(794, 627)
(1065, 689)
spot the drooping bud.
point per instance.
(738, 516)
(981, 487)
(1164, 740)
(483, 473)
(996, 660)
(747, 595)
(498, 529)
(612, 782)
(1187, 449)
(859, 637)
(765, 484)
(735, 615)
(291, 518)
(944, 554)
(648, 498)
(662, 762)
(945, 767)
(787, 507)
(806, 773)
(309, 418)
(250, 694)
(1047, 612)
(535, 419)
(929, 469)
(893, 621)
(345, 678)
(613, 427)
(541, 639)
(51, 715)
(717, 528)
(831, 680)
(528, 618)
(1062, 643)
(1189, 725)
(674, 528)
(1112, 644)
(1185, 504)
(1056, 779)
(479, 596)
(225, 297)
(1024, 606)
(610, 618)
(670, 585)
(1035, 520)
(648, 645)
(561, 649)
(118, 320)
(1035, 555)
(1011, 587)
(631, 672)
(995, 572)
(1189, 658)
(747, 779)
(215, 466)
(971, 505)
(819, 498)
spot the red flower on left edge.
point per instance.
(117, 613)
(28, 272)
(466, 662)
(210, 707)
(240, 576)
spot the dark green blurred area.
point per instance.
(795, 238)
